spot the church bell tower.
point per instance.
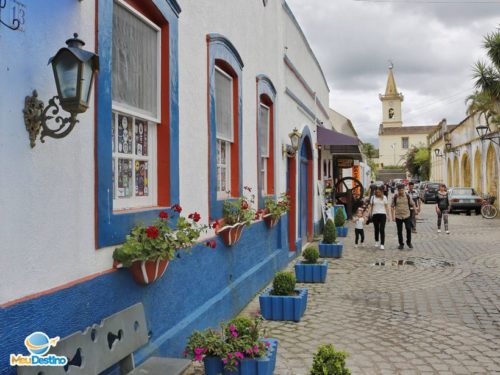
(391, 103)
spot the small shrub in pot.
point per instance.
(330, 233)
(311, 255)
(328, 361)
(284, 284)
(339, 218)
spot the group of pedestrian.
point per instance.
(404, 208)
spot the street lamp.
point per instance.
(484, 133)
(74, 70)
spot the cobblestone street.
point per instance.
(441, 315)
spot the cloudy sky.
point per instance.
(432, 43)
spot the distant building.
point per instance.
(395, 139)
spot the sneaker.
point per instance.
(439, 230)
(401, 247)
(377, 244)
(447, 232)
(410, 246)
(382, 247)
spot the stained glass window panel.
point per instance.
(141, 178)
(124, 178)
(124, 134)
(141, 137)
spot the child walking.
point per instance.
(359, 221)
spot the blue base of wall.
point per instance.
(197, 291)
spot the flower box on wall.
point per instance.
(247, 366)
(283, 307)
(148, 271)
(311, 273)
(342, 231)
(333, 250)
(231, 234)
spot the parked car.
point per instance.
(428, 191)
(464, 199)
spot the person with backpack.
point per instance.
(402, 205)
(442, 207)
(378, 213)
(414, 196)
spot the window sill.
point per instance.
(138, 209)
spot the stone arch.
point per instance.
(466, 174)
(492, 172)
(456, 173)
(449, 172)
(478, 186)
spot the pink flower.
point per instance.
(249, 351)
(198, 351)
(239, 355)
(198, 357)
(268, 344)
(229, 355)
(224, 360)
(232, 327)
(234, 333)
(255, 349)
(236, 363)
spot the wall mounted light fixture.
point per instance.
(74, 71)
(484, 133)
(291, 150)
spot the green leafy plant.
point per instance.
(328, 361)
(276, 208)
(330, 233)
(339, 218)
(284, 284)
(162, 239)
(240, 338)
(239, 210)
(311, 255)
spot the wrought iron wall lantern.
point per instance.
(291, 150)
(448, 147)
(438, 153)
(74, 71)
(484, 133)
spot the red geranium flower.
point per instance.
(211, 244)
(244, 205)
(177, 208)
(195, 216)
(163, 215)
(215, 225)
(152, 232)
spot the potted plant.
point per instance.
(239, 348)
(275, 209)
(328, 361)
(339, 223)
(329, 247)
(283, 301)
(236, 214)
(309, 270)
(148, 249)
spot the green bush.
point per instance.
(284, 284)
(339, 218)
(311, 254)
(327, 361)
(330, 233)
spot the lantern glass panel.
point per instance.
(295, 141)
(86, 81)
(67, 74)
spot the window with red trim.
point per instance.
(266, 146)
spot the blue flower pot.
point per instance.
(342, 231)
(283, 307)
(311, 273)
(248, 366)
(327, 250)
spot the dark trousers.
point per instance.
(399, 225)
(359, 233)
(379, 226)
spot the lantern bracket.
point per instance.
(36, 118)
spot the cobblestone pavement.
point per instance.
(439, 315)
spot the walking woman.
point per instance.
(442, 207)
(380, 213)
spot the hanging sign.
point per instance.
(345, 163)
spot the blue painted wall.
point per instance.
(198, 290)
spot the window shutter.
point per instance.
(224, 106)
(264, 131)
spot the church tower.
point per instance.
(391, 103)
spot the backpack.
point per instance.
(407, 196)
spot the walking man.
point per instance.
(402, 205)
(414, 196)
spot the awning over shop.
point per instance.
(338, 143)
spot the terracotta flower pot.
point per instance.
(231, 234)
(270, 220)
(148, 271)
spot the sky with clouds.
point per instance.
(432, 43)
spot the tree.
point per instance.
(418, 162)
(370, 151)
